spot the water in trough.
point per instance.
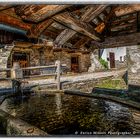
(75, 115)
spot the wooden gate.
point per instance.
(74, 64)
(112, 59)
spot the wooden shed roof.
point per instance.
(76, 26)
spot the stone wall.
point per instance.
(43, 56)
(95, 64)
(133, 55)
(4, 56)
(119, 64)
(48, 57)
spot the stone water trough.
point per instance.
(11, 126)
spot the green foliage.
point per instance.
(104, 63)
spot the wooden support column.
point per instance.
(16, 74)
(58, 71)
(16, 71)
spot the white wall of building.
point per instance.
(119, 52)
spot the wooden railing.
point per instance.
(17, 72)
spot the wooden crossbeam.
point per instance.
(9, 20)
(37, 29)
(68, 33)
(119, 20)
(126, 9)
(76, 25)
(3, 7)
(81, 42)
(64, 36)
(119, 41)
(37, 13)
(95, 12)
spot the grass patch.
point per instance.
(112, 84)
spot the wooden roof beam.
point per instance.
(119, 41)
(81, 42)
(76, 25)
(64, 36)
(37, 13)
(37, 29)
(95, 12)
(4, 7)
(68, 33)
(9, 20)
(127, 9)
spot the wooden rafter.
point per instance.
(68, 33)
(4, 7)
(37, 29)
(37, 13)
(81, 42)
(81, 27)
(95, 12)
(119, 41)
(126, 9)
(64, 36)
(11, 21)
(106, 23)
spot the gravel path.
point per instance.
(76, 78)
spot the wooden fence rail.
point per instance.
(17, 72)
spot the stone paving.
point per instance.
(79, 77)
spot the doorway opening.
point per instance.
(75, 64)
(23, 59)
(112, 59)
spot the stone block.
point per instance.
(133, 56)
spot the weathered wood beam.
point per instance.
(3, 7)
(81, 42)
(37, 13)
(68, 33)
(119, 41)
(127, 9)
(95, 12)
(88, 13)
(37, 29)
(106, 23)
(119, 21)
(123, 26)
(64, 36)
(76, 25)
(11, 21)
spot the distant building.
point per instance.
(116, 57)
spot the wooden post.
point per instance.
(16, 71)
(58, 70)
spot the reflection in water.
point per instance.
(58, 104)
(70, 115)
